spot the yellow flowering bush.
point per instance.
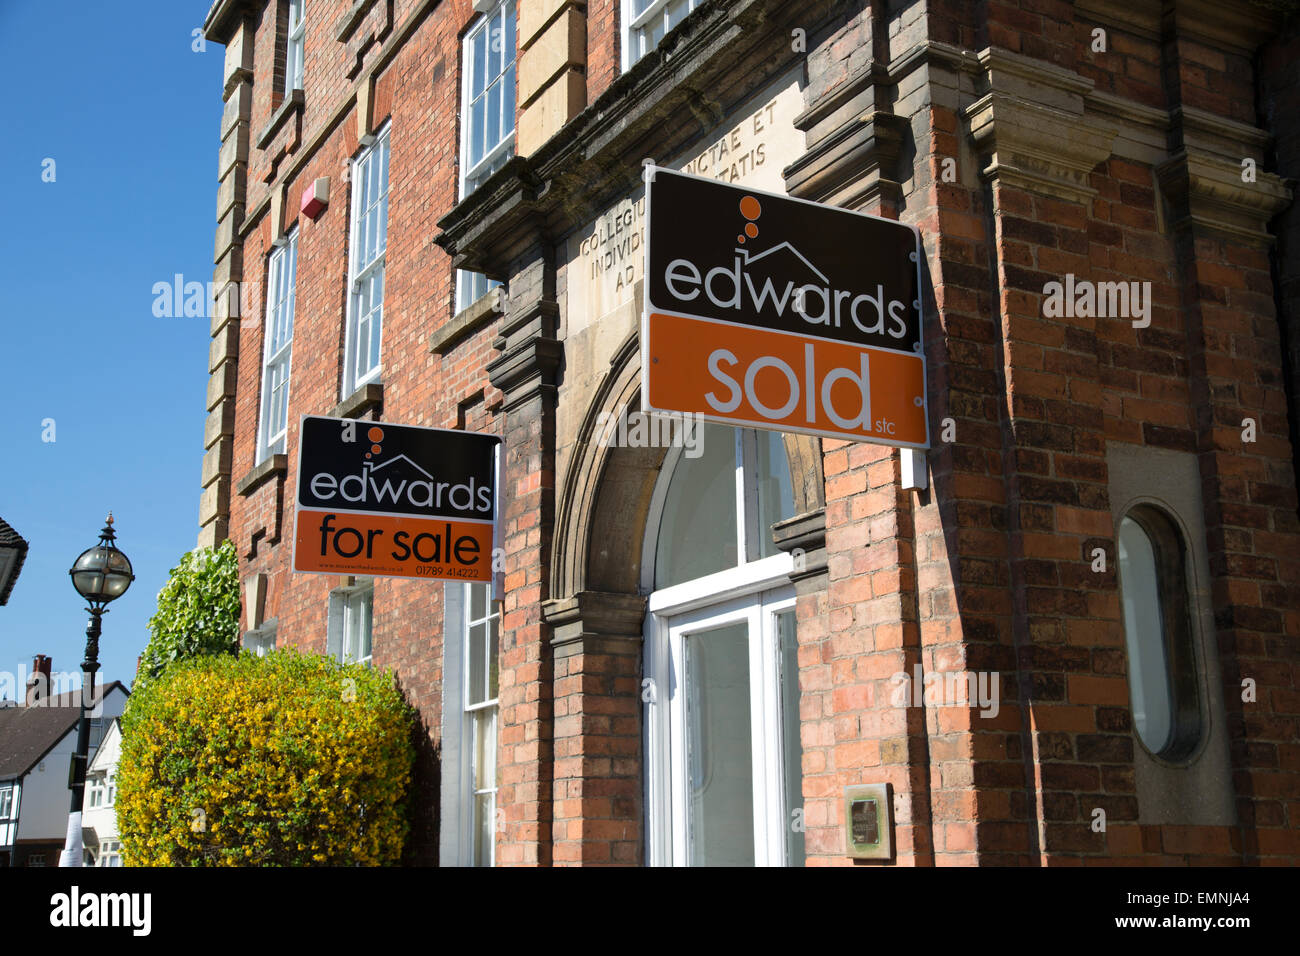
(284, 760)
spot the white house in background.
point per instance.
(98, 810)
(37, 738)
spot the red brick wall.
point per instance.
(419, 91)
(989, 571)
(604, 46)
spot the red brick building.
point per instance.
(1066, 634)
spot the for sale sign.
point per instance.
(781, 314)
(394, 500)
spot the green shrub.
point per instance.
(284, 760)
(198, 612)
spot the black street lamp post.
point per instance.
(101, 574)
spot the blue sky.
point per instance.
(131, 115)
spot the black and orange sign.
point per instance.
(394, 500)
(781, 314)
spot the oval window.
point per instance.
(1157, 633)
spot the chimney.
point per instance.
(38, 684)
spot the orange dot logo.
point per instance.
(751, 209)
(376, 435)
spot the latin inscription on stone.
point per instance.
(750, 147)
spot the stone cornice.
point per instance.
(527, 370)
(1014, 72)
(712, 61)
(933, 52)
(854, 141)
(1208, 193)
(1126, 110)
(1207, 132)
(1030, 128)
(223, 16)
(1240, 26)
(1141, 17)
(1038, 148)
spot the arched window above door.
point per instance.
(721, 503)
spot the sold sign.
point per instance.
(394, 500)
(781, 314)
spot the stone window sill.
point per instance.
(260, 475)
(292, 103)
(347, 24)
(359, 402)
(487, 308)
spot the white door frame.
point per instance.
(756, 603)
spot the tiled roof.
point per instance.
(28, 733)
(9, 538)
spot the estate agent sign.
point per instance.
(394, 500)
(781, 314)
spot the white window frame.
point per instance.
(9, 821)
(456, 838)
(636, 28)
(346, 611)
(471, 286)
(369, 272)
(468, 288)
(295, 46)
(754, 591)
(277, 354)
(261, 640)
(95, 792)
(496, 156)
(110, 853)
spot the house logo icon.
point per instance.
(751, 209)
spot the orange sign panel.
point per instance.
(791, 382)
(393, 545)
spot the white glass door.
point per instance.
(728, 733)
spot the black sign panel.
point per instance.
(349, 465)
(738, 255)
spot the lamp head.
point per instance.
(103, 573)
